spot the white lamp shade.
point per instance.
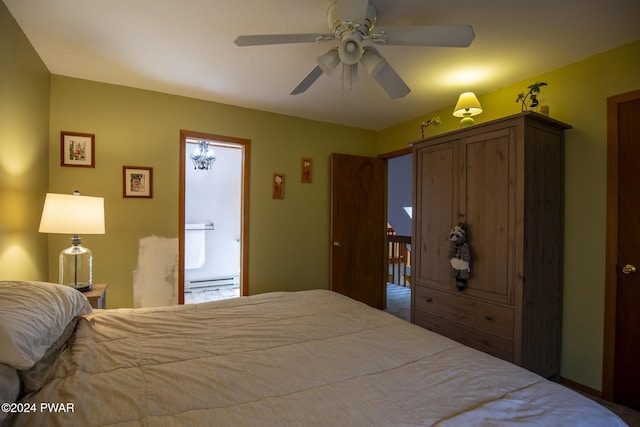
(329, 61)
(467, 103)
(70, 214)
(372, 61)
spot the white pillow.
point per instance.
(10, 387)
(33, 315)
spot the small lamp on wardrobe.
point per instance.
(74, 214)
(467, 106)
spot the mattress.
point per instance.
(308, 358)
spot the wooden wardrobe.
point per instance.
(505, 180)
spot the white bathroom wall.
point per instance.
(213, 196)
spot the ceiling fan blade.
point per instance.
(385, 75)
(447, 36)
(353, 10)
(264, 39)
(307, 81)
(391, 82)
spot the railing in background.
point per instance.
(399, 259)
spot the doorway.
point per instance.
(399, 190)
(621, 378)
(213, 219)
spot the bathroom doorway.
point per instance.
(213, 218)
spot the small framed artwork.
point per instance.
(305, 173)
(77, 149)
(137, 181)
(277, 191)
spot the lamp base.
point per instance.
(466, 121)
(76, 266)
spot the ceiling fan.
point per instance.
(352, 23)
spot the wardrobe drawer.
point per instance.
(493, 345)
(483, 316)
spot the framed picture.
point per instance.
(305, 173)
(277, 191)
(77, 149)
(137, 181)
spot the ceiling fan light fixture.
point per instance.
(372, 61)
(350, 50)
(385, 75)
(329, 61)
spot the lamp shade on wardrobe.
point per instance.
(467, 106)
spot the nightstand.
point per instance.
(97, 296)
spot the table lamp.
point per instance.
(467, 106)
(74, 214)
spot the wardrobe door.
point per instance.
(435, 186)
(487, 204)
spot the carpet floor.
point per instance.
(399, 301)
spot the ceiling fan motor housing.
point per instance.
(350, 49)
(350, 33)
(335, 22)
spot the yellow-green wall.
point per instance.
(288, 239)
(24, 134)
(576, 94)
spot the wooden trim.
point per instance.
(244, 145)
(181, 221)
(397, 153)
(385, 210)
(580, 387)
(386, 157)
(244, 208)
(610, 290)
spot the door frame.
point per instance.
(244, 145)
(611, 258)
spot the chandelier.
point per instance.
(203, 156)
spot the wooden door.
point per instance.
(486, 203)
(623, 249)
(358, 228)
(434, 204)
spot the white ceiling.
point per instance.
(185, 47)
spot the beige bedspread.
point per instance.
(312, 358)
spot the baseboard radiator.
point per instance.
(210, 283)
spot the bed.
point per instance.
(307, 358)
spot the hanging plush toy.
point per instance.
(460, 256)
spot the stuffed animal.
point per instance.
(460, 256)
